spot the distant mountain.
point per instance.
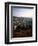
(23, 17)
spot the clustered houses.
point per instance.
(26, 22)
(21, 26)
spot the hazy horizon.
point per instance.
(22, 12)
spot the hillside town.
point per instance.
(21, 26)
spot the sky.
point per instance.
(22, 12)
